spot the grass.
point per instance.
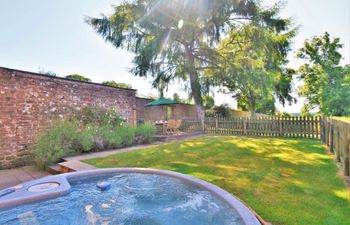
(286, 181)
(345, 119)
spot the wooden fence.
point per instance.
(306, 127)
(336, 135)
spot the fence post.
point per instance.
(322, 129)
(216, 125)
(203, 125)
(245, 126)
(331, 138)
(327, 131)
(280, 125)
(347, 154)
(337, 147)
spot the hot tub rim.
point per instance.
(247, 215)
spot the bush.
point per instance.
(107, 138)
(219, 111)
(86, 139)
(94, 116)
(145, 133)
(283, 114)
(56, 143)
(127, 135)
(91, 129)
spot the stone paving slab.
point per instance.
(76, 165)
(12, 177)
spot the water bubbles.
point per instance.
(180, 24)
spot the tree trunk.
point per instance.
(195, 84)
(252, 108)
(252, 112)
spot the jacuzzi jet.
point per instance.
(103, 185)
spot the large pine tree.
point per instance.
(177, 38)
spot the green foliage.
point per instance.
(219, 111)
(112, 83)
(145, 133)
(177, 39)
(127, 135)
(266, 106)
(78, 77)
(90, 129)
(86, 139)
(107, 138)
(177, 98)
(326, 82)
(253, 71)
(55, 143)
(208, 102)
(90, 115)
(305, 110)
(283, 114)
(283, 86)
(285, 181)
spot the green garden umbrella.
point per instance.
(161, 101)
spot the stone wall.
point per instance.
(30, 101)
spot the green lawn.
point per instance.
(286, 181)
(345, 119)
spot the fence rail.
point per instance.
(336, 135)
(307, 127)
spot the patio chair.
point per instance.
(173, 126)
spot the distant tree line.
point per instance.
(86, 79)
(326, 83)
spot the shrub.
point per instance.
(91, 129)
(145, 133)
(78, 77)
(111, 117)
(107, 138)
(87, 115)
(86, 139)
(56, 143)
(219, 111)
(127, 135)
(96, 116)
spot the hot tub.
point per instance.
(134, 196)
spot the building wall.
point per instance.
(30, 101)
(185, 111)
(156, 113)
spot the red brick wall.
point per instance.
(29, 101)
(141, 108)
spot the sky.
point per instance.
(52, 35)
